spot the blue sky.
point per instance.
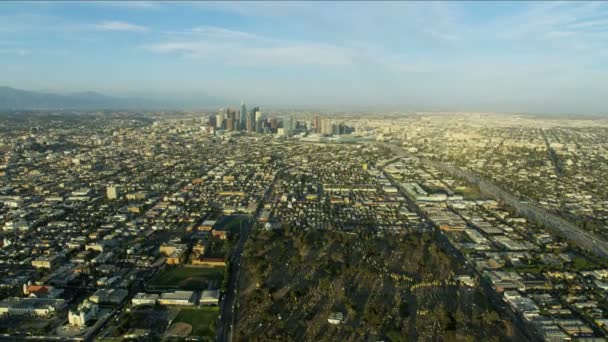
(501, 56)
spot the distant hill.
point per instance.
(17, 99)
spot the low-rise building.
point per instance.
(108, 296)
(335, 318)
(45, 261)
(83, 314)
(31, 306)
(142, 298)
(210, 297)
(177, 298)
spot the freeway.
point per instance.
(228, 305)
(521, 330)
(553, 223)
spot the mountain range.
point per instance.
(18, 99)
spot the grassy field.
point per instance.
(190, 278)
(233, 223)
(203, 320)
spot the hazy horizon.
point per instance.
(534, 57)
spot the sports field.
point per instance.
(188, 278)
(202, 320)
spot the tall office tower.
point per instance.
(243, 120)
(234, 114)
(220, 118)
(258, 114)
(259, 122)
(212, 121)
(231, 114)
(316, 124)
(230, 124)
(112, 192)
(291, 126)
(326, 127)
(274, 124)
(335, 129)
(251, 122)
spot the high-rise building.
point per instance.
(326, 127)
(243, 120)
(230, 123)
(212, 121)
(316, 124)
(289, 126)
(251, 122)
(274, 124)
(258, 114)
(220, 118)
(231, 114)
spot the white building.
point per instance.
(177, 298)
(85, 312)
(210, 297)
(30, 306)
(20, 225)
(142, 298)
(112, 192)
(335, 318)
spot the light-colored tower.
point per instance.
(219, 118)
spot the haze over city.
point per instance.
(543, 57)
(303, 171)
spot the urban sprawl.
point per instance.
(239, 224)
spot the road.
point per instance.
(521, 330)
(226, 322)
(553, 223)
(228, 309)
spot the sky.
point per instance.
(462, 56)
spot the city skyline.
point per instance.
(507, 56)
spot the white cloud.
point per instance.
(213, 32)
(239, 48)
(20, 52)
(119, 26)
(129, 4)
(443, 35)
(232, 53)
(562, 22)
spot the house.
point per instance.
(48, 262)
(41, 291)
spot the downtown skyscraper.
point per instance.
(243, 119)
(251, 122)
